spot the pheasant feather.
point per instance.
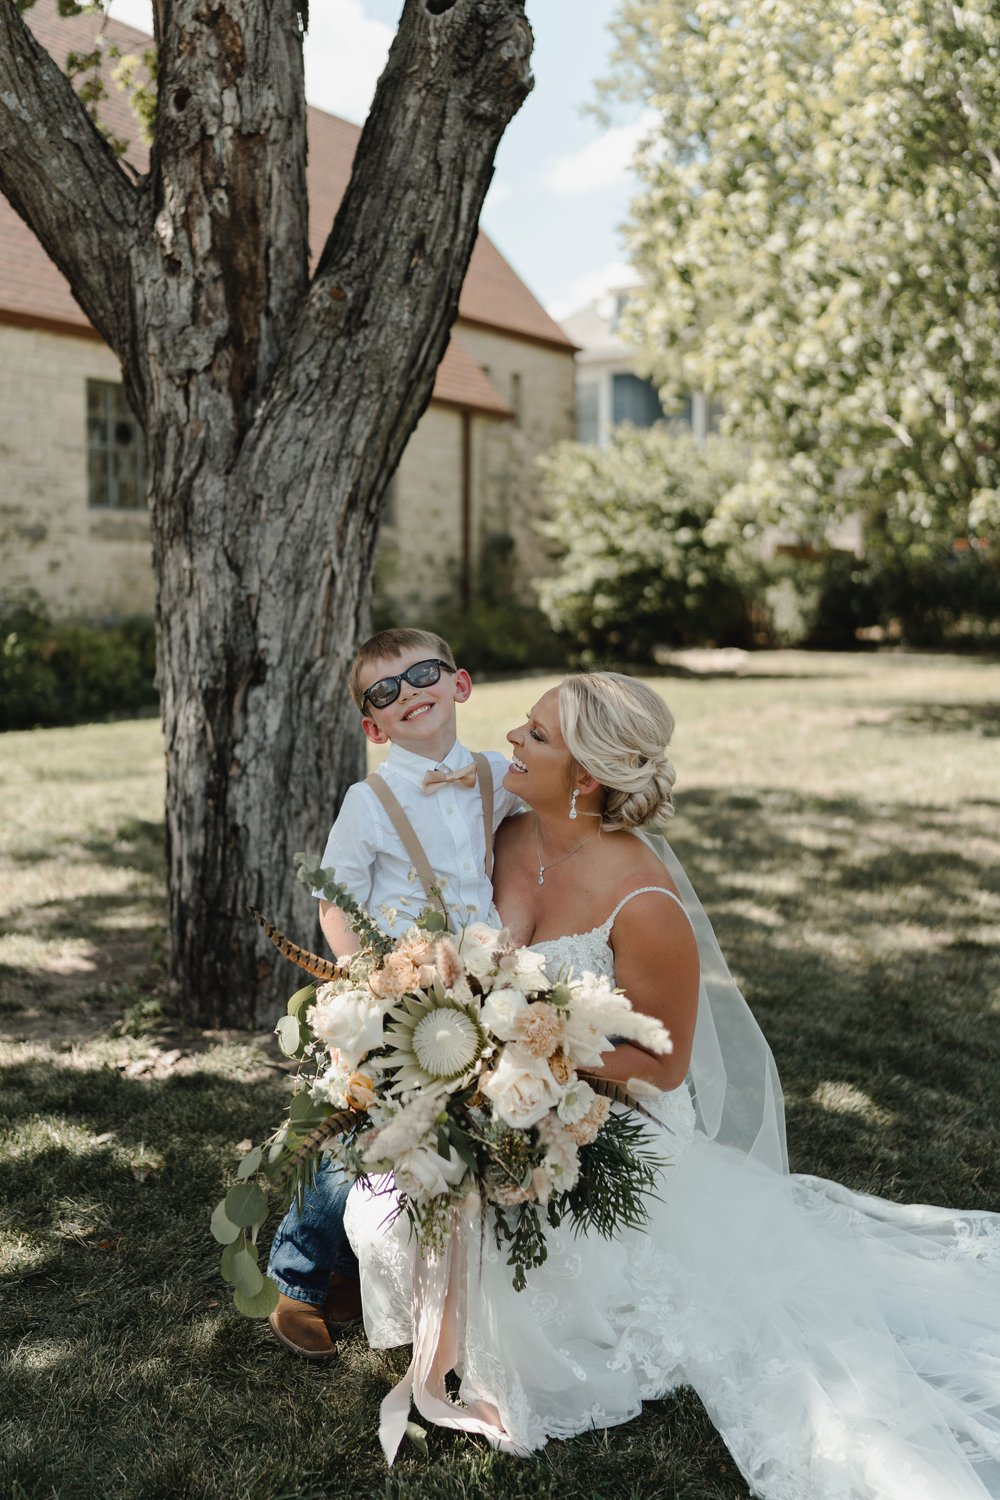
(319, 968)
(614, 1088)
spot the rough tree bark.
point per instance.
(276, 406)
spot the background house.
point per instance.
(74, 530)
(608, 390)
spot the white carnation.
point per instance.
(477, 948)
(500, 1012)
(525, 971)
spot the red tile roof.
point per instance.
(34, 292)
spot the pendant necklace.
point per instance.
(552, 863)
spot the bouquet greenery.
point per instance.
(443, 1065)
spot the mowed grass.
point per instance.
(840, 816)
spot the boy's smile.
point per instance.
(421, 719)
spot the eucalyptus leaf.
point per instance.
(237, 1246)
(244, 1275)
(250, 1164)
(259, 1306)
(304, 1111)
(245, 1204)
(432, 921)
(223, 1228)
(289, 1034)
(298, 1002)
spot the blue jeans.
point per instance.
(311, 1246)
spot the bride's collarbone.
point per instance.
(542, 914)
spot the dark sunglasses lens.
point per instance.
(422, 673)
(381, 694)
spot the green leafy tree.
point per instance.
(817, 232)
(640, 562)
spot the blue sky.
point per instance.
(562, 184)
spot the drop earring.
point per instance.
(572, 802)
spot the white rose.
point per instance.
(501, 1010)
(521, 1088)
(351, 1022)
(423, 1173)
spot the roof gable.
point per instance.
(34, 291)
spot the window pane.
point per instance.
(586, 412)
(115, 449)
(634, 400)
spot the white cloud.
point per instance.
(613, 277)
(137, 13)
(345, 52)
(601, 163)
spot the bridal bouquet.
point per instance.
(449, 1067)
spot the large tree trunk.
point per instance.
(276, 409)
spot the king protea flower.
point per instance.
(433, 1042)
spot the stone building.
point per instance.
(74, 531)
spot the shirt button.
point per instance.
(467, 865)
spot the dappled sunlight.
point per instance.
(48, 1354)
(845, 1099)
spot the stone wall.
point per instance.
(55, 547)
(539, 383)
(95, 563)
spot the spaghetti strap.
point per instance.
(641, 891)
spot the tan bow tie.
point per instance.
(466, 776)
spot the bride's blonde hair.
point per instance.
(618, 730)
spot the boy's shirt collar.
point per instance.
(415, 767)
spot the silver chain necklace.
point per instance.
(552, 863)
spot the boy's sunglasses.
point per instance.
(387, 689)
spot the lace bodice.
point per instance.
(591, 950)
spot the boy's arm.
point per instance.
(339, 933)
(350, 853)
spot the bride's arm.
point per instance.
(656, 964)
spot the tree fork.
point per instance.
(276, 410)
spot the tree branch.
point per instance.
(62, 177)
(380, 308)
(228, 187)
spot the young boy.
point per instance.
(423, 823)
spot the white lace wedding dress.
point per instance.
(845, 1347)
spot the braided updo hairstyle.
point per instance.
(617, 730)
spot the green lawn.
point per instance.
(840, 816)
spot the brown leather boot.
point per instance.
(301, 1327)
(342, 1304)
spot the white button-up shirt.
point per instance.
(366, 853)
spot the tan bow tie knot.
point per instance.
(465, 776)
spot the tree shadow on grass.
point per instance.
(96, 951)
(857, 936)
(978, 719)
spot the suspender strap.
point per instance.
(408, 838)
(486, 793)
(408, 835)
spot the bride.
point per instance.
(846, 1347)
